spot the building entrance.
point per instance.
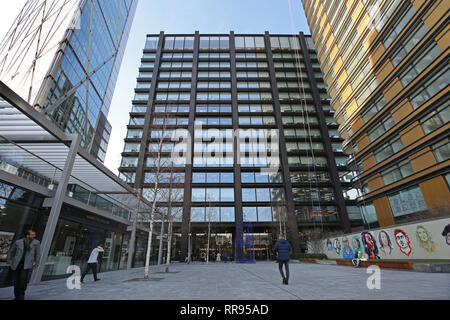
(255, 246)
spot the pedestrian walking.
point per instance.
(225, 257)
(283, 249)
(93, 263)
(218, 259)
(23, 256)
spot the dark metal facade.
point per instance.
(309, 202)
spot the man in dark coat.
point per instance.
(283, 249)
(23, 256)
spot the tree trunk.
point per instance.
(161, 241)
(152, 217)
(207, 250)
(169, 246)
(149, 244)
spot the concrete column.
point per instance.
(131, 244)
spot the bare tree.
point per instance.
(209, 214)
(162, 167)
(172, 214)
(280, 217)
(314, 239)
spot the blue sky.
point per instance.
(187, 16)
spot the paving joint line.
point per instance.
(279, 287)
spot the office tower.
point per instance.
(63, 57)
(386, 67)
(225, 83)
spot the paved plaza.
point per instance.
(260, 281)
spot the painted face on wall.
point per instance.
(384, 239)
(370, 245)
(329, 245)
(385, 242)
(345, 243)
(422, 234)
(369, 242)
(356, 243)
(402, 240)
(446, 234)
(337, 246)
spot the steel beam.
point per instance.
(56, 210)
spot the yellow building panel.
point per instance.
(322, 16)
(423, 160)
(403, 110)
(393, 90)
(339, 118)
(337, 66)
(436, 13)
(417, 3)
(334, 52)
(346, 93)
(370, 38)
(330, 40)
(363, 142)
(443, 39)
(384, 212)
(375, 183)
(357, 123)
(436, 194)
(368, 162)
(411, 134)
(375, 55)
(342, 77)
(322, 22)
(363, 23)
(335, 105)
(326, 31)
(384, 71)
(331, 91)
(352, 108)
(357, 11)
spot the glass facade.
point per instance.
(87, 73)
(77, 233)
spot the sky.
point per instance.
(180, 16)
